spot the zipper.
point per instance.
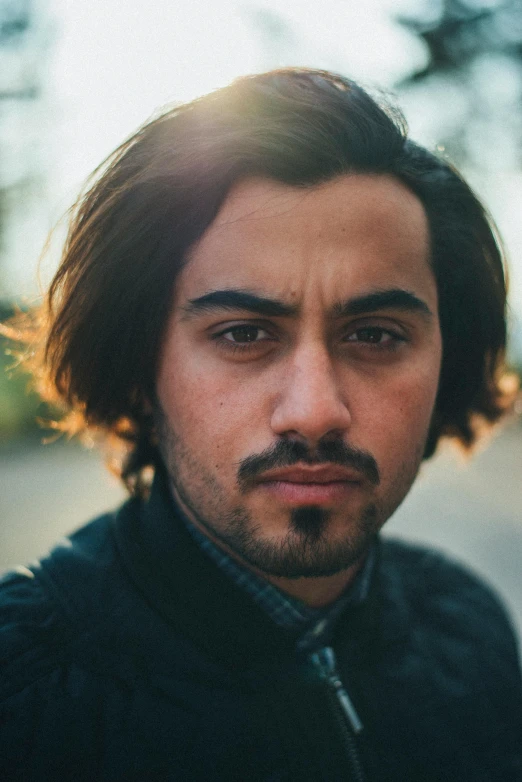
(348, 720)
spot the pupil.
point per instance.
(245, 334)
(370, 335)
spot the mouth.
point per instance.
(311, 485)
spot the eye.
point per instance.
(241, 335)
(375, 335)
(244, 338)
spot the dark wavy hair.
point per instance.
(94, 343)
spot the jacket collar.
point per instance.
(192, 594)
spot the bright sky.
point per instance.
(112, 64)
(110, 70)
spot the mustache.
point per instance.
(286, 453)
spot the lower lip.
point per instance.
(311, 493)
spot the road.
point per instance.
(471, 510)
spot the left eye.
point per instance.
(373, 335)
(243, 334)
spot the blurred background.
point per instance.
(77, 78)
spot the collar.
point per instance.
(192, 594)
(314, 624)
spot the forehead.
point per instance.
(349, 235)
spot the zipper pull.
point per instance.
(324, 660)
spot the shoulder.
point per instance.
(450, 662)
(446, 606)
(47, 609)
(426, 575)
(58, 655)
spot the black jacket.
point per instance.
(127, 655)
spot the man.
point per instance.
(277, 305)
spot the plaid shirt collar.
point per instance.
(316, 624)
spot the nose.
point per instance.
(311, 404)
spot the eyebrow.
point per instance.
(232, 299)
(394, 298)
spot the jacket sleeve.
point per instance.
(48, 705)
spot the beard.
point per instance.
(307, 548)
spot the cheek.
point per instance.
(396, 414)
(210, 412)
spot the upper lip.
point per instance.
(312, 474)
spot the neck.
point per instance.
(316, 592)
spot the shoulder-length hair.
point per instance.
(95, 341)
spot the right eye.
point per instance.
(241, 335)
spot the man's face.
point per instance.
(299, 370)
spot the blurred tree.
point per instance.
(467, 98)
(24, 39)
(457, 32)
(275, 35)
(24, 42)
(15, 23)
(473, 75)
